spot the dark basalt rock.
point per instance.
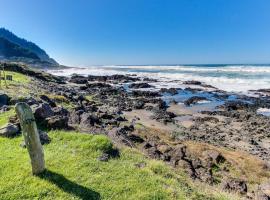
(117, 77)
(30, 101)
(42, 111)
(122, 78)
(139, 85)
(98, 85)
(235, 105)
(154, 153)
(138, 104)
(44, 137)
(57, 122)
(214, 157)
(148, 94)
(46, 99)
(97, 78)
(4, 99)
(171, 91)
(206, 119)
(111, 153)
(125, 130)
(162, 105)
(125, 135)
(163, 116)
(4, 108)
(193, 90)
(194, 100)
(192, 82)
(262, 92)
(60, 111)
(78, 79)
(235, 185)
(104, 157)
(10, 130)
(149, 79)
(199, 84)
(74, 117)
(178, 153)
(88, 120)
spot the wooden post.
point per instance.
(4, 74)
(0, 79)
(31, 137)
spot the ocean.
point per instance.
(231, 78)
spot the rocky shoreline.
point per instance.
(165, 123)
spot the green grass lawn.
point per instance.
(17, 78)
(74, 172)
(5, 116)
(18, 87)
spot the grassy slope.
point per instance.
(4, 117)
(18, 87)
(75, 173)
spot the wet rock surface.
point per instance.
(172, 91)
(140, 85)
(235, 125)
(194, 100)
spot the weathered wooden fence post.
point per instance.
(31, 137)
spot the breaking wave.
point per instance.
(235, 78)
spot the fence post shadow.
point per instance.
(68, 186)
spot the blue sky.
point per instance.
(111, 32)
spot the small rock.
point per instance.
(44, 137)
(46, 99)
(140, 164)
(78, 79)
(4, 108)
(192, 82)
(60, 111)
(215, 156)
(88, 120)
(4, 99)
(104, 157)
(171, 91)
(139, 85)
(138, 104)
(236, 185)
(10, 130)
(194, 100)
(57, 122)
(42, 111)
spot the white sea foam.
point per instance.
(264, 111)
(229, 78)
(232, 68)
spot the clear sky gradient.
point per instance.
(112, 32)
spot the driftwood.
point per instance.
(31, 137)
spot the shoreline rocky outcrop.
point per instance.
(102, 104)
